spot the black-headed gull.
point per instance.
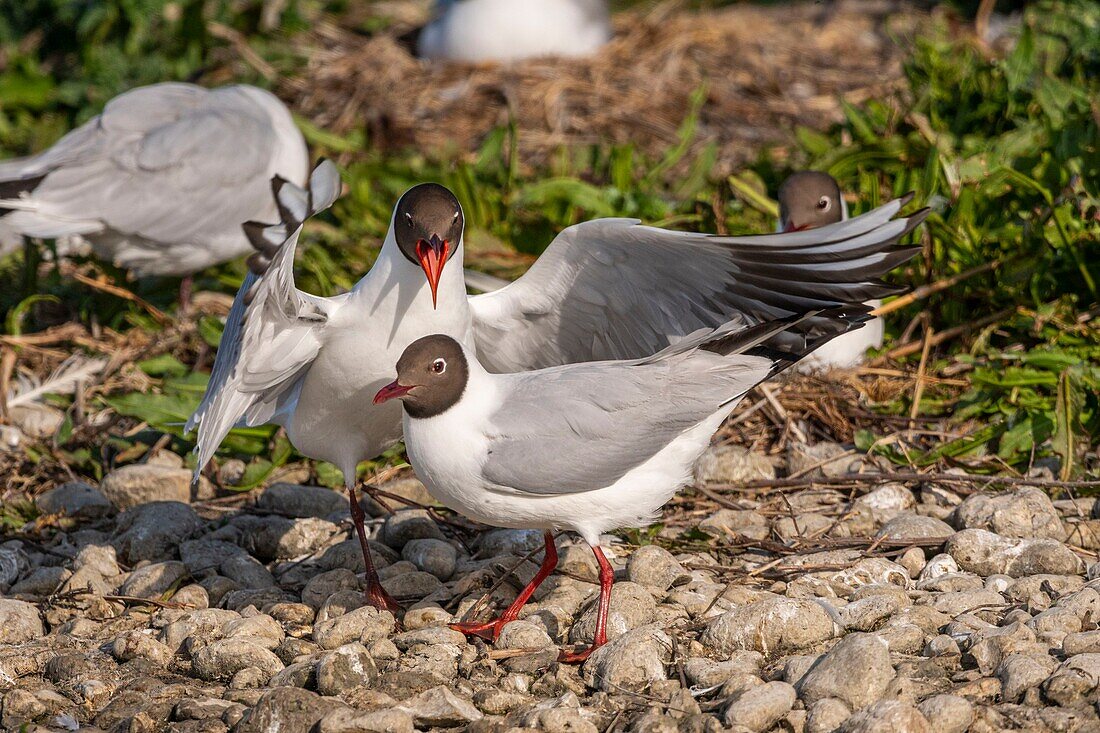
(510, 30)
(586, 448)
(808, 200)
(162, 180)
(605, 289)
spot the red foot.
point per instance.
(489, 631)
(576, 657)
(379, 598)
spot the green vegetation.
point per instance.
(1005, 149)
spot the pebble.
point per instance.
(153, 581)
(887, 715)
(1027, 514)
(74, 499)
(154, 531)
(324, 586)
(293, 500)
(818, 460)
(222, 659)
(655, 567)
(365, 625)
(855, 671)
(886, 502)
(287, 709)
(19, 622)
(523, 635)
(770, 627)
(986, 553)
(440, 707)
(632, 606)
(246, 571)
(344, 668)
(374, 721)
(432, 556)
(947, 713)
(409, 524)
(141, 483)
(915, 526)
(732, 464)
(632, 661)
(759, 708)
(826, 715)
(1074, 680)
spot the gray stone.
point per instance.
(633, 661)
(154, 531)
(868, 614)
(339, 603)
(1026, 513)
(295, 618)
(246, 571)
(409, 524)
(74, 499)
(20, 707)
(408, 488)
(153, 581)
(818, 460)
(222, 659)
(19, 622)
(294, 500)
(140, 645)
(411, 587)
(732, 522)
(41, 582)
(260, 629)
(732, 464)
(887, 715)
(344, 668)
(440, 707)
(432, 556)
(365, 625)
(141, 483)
(886, 502)
(773, 626)
(206, 554)
(655, 567)
(13, 562)
(287, 709)
(985, 553)
(374, 721)
(297, 674)
(947, 713)
(1021, 672)
(323, 586)
(523, 635)
(856, 671)
(496, 701)
(954, 603)
(429, 636)
(760, 708)
(915, 526)
(826, 715)
(517, 542)
(631, 606)
(1075, 680)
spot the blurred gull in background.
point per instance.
(511, 30)
(161, 181)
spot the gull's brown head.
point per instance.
(808, 200)
(431, 377)
(428, 228)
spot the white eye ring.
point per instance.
(409, 218)
(456, 215)
(439, 366)
(824, 203)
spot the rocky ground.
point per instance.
(855, 606)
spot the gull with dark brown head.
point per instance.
(604, 289)
(586, 448)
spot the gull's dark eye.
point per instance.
(439, 366)
(409, 218)
(824, 203)
(455, 216)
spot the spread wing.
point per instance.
(168, 162)
(273, 331)
(614, 289)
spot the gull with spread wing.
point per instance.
(605, 289)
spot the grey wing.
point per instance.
(169, 163)
(582, 427)
(613, 289)
(274, 331)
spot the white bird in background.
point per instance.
(160, 182)
(511, 30)
(583, 447)
(807, 200)
(605, 289)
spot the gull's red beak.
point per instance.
(391, 390)
(790, 227)
(433, 256)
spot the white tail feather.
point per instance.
(63, 380)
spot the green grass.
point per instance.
(1005, 150)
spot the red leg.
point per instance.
(491, 630)
(376, 594)
(607, 578)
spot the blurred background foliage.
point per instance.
(1003, 145)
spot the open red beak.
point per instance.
(792, 228)
(433, 256)
(391, 390)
